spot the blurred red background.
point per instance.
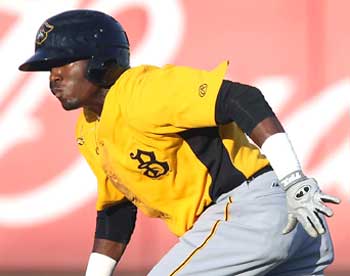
(296, 52)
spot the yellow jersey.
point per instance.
(158, 145)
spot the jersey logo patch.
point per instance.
(80, 141)
(203, 89)
(43, 32)
(148, 163)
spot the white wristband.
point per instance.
(279, 151)
(100, 265)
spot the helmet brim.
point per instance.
(45, 59)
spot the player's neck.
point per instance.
(95, 104)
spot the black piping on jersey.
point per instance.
(242, 104)
(206, 144)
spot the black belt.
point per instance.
(265, 169)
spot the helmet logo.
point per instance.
(43, 32)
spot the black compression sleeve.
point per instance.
(242, 104)
(116, 222)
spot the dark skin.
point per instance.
(69, 84)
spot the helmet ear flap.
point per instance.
(102, 72)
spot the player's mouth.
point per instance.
(58, 92)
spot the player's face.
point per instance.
(69, 85)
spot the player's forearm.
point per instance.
(109, 248)
(265, 129)
(275, 144)
(104, 257)
(114, 227)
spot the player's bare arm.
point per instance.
(265, 129)
(109, 248)
(104, 257)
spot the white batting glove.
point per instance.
(305, 203)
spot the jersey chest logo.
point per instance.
(149, 164)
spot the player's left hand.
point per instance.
(305, 203)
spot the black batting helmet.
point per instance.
(82, 34)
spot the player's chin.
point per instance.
(70, 104)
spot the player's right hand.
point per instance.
(305, 203)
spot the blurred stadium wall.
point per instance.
(296, 52)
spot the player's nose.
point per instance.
(55, 75)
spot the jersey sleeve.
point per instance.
(174, 98)
(116, 222)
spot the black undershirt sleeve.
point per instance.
(242, 104)
(116, 223)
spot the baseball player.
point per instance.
(172, 143)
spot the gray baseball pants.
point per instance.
(241, 234)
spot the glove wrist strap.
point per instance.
(292, 178)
